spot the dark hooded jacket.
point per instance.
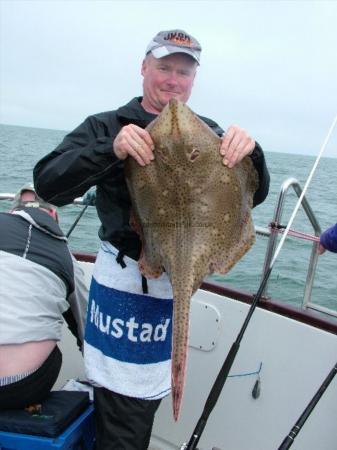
(85, 158)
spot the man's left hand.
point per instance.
(236, 144)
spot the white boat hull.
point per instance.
(295, 358)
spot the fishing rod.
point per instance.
(289, 440)
(224, 371)
(76, 221)
(89, 199)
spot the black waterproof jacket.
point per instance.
(85, 158)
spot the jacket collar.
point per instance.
(42, 221)
(134, 112)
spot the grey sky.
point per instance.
(268, 66)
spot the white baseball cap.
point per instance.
(37, 203)
(174, 41)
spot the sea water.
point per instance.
(21, 148)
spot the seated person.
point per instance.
(39, 281)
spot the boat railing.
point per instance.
(272, 239)
(10, 197)
(271, 247)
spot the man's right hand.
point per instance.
(136, 142)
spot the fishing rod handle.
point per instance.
(224, 371)
(289, 440)
(213, 396)
(194, 439)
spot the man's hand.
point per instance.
(236, 144)
(136, 142)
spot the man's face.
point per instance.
(165, 78)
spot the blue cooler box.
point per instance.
(60, 428)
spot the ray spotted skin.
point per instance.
(193, 215)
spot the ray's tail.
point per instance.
(181, 311)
